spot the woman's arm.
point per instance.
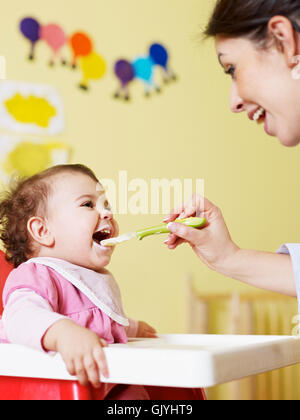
(264, 270)
(215, 248)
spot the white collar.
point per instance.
(101, 288)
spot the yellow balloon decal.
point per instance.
(93, 67)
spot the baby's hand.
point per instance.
(81, 350)
(145, 330)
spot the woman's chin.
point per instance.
(289, 141)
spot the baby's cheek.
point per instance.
(116, 227)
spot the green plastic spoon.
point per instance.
(195, 222)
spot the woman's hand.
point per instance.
(212, 243)
(145, 330)
(81, 350)
(215, 248)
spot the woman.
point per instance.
(258, 45)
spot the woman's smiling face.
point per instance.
(262, 86)
(79, 216)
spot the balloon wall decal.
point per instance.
(30, 28)
(93, 66)
(55, 38)
(80, 44)
(125, 73)
(143, 68)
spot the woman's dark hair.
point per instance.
(25, 198)
(250, 18)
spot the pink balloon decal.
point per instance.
(56, 38)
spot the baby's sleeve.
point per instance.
(30, 300)
(132, 329)
(294, 251)
(27, 317)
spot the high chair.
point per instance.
(38, 382)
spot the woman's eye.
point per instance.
(230, 71)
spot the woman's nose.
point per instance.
(236, 102)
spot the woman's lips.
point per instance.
(257, 115)
(260, 116)
(267, 129)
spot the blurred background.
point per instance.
(184, 131)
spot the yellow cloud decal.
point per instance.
(30, 110)
(29, 158)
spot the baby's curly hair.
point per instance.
(25, 198)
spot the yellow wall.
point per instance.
(186, 132)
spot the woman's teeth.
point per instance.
(258, 114)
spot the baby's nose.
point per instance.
(106, 214)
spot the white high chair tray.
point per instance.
(187, 361)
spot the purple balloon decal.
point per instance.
(125, 73)
(30, 28)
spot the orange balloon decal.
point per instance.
(81, 45)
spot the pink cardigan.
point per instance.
(36, 296)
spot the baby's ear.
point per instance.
(39, 231)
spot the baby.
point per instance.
(60, 297)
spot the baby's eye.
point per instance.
(107, 205)
(88, 204)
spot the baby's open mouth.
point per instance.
(101, 235)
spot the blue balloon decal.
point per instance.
(160, 57)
